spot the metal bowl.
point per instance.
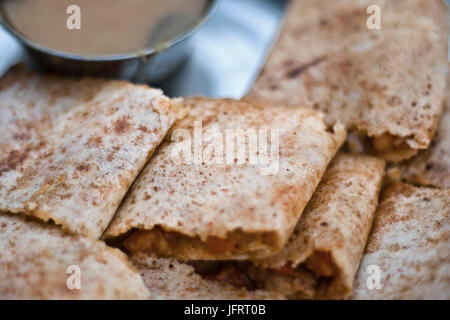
(152, 64)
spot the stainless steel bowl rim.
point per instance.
(212, 6)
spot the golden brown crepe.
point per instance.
(324, 252)
(203, 210)
(71, 148)
(39, 261)
(168, 279)
(410, 244)
(330, 237)
(386, 84)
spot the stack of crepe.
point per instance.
(234, 226)
(319, 260)
(253, 199)
(70, 150)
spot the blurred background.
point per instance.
(227, 54)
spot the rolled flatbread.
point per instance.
(40, 261)
(228, 200)
(387, 85)
(71, 148)
(169, 279)
(408, 251)
(330, 237)
(323, 254)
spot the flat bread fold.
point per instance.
(237, 209)
(387, 85)
(169, 279)
(331, 235)
(323, 254)
(40, 261)
(319, 261)
(72, 147)
(409, 246)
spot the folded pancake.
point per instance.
(410, 244)
(227, 203)
(324, 252)
(40, 261)
(168, 279)
(72, 147)
(387, 85)
(431, 167)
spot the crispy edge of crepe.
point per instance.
(403, 133)
(35, 260)
(430, 167)
(324, 252)
(54, 186)
(169, 239)
(410, 244)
